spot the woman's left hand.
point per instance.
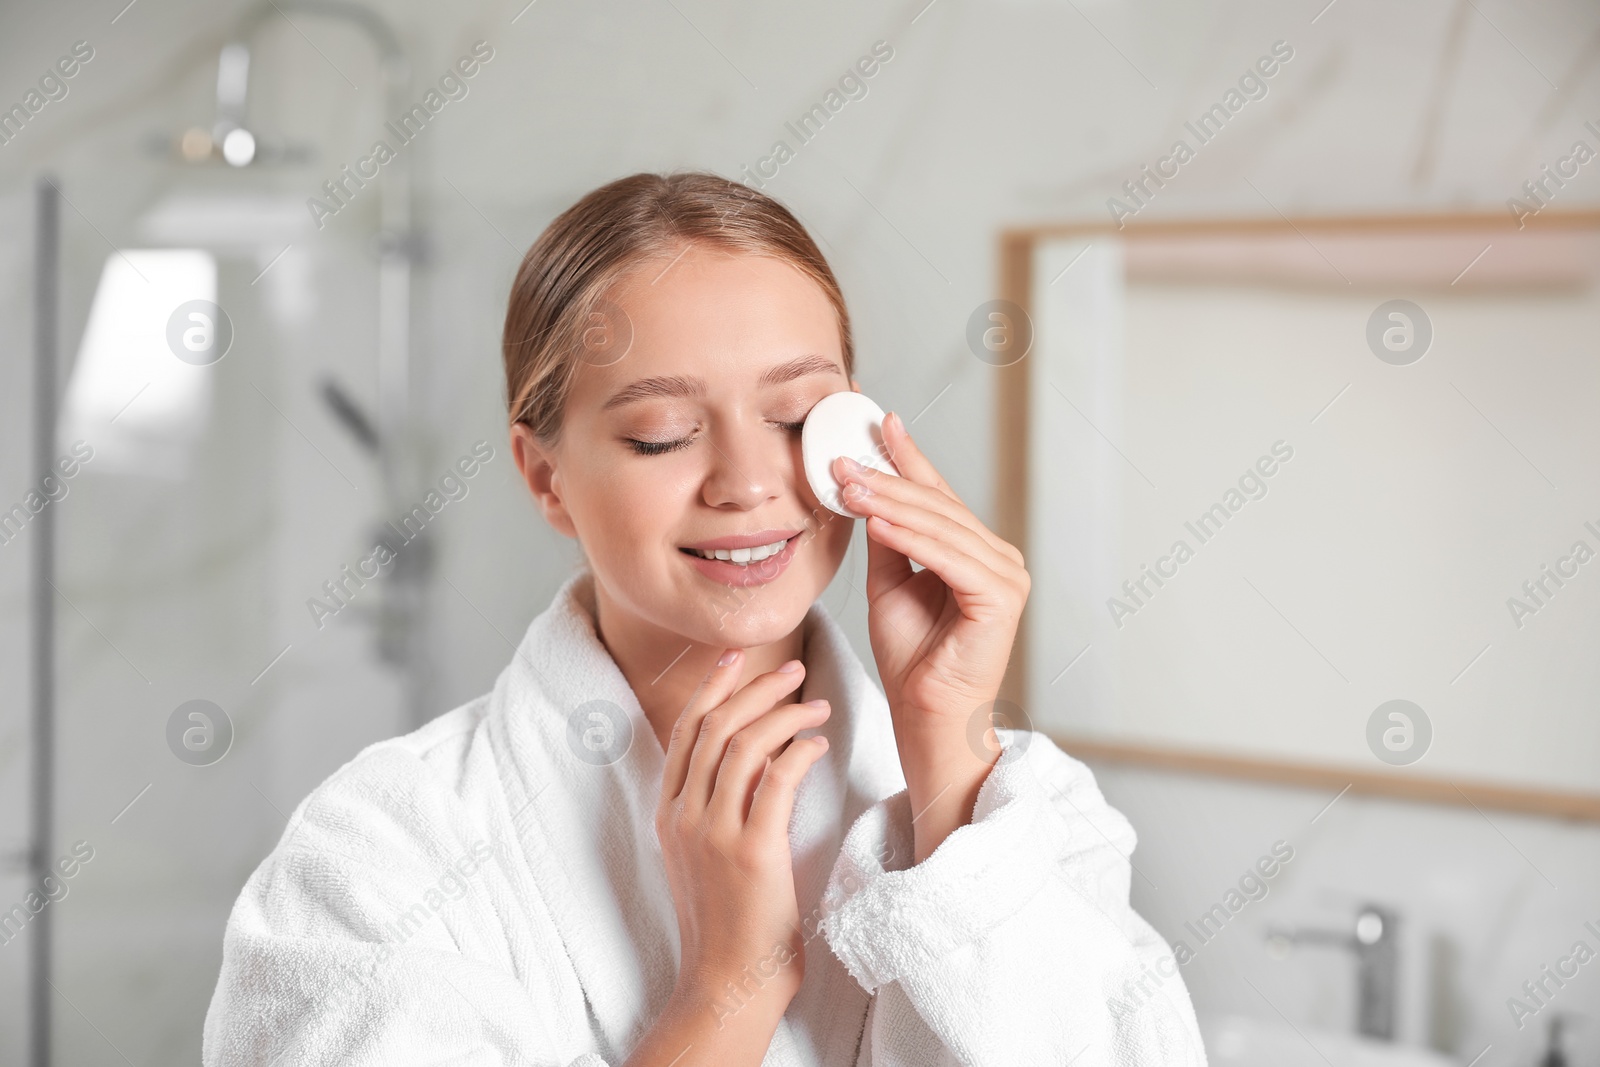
(941, 636)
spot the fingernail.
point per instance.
(728, 657)
(895, 415)
(790, 667)
(818, 703)
(857, 491)
(851, 465)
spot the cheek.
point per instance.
(825, 547)
(838, 538)
(628, 485)
(632, 505)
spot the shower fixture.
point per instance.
(388, 434)
(231, 139)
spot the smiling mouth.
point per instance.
(741, 556)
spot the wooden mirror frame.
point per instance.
(1017, 249)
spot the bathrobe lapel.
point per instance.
(582, 771)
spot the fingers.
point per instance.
(904, 488)
(717, 687)
(749, 752)
(908, 458)
(939, 538)
(719, 724)
(964, 574)
(893, 505)
(937, 497)
(773, 804)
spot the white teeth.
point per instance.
(743, 556)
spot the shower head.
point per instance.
(230, 140)
(233, 86)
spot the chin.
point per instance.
(750, 627)
(745, 618)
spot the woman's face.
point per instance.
(690, 442)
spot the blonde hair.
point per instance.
(563, 279)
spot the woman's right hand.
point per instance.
(727, 793)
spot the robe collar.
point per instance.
(582, 771)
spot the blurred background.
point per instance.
(241, 347)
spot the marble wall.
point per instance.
(985, 116)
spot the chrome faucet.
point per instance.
(1377, 963)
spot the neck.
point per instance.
(664, 668)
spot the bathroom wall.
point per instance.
(985, 116)
(1485, 900)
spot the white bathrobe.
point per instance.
(485, 891)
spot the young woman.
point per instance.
(685, 827)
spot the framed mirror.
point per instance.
(1312, 500)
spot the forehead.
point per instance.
(711, 312)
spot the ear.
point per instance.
(536, 464)
(855, 386)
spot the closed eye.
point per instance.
(656, 448)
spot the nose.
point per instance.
(750, 465)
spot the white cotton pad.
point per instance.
(842, 424)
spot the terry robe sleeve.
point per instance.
(376, 934)
(1014, 942)
(483, 891)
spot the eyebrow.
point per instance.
(679, 386)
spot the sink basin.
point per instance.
(1237, 1041)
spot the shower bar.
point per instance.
(46, 271)
(404, 605)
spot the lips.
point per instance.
(744, 575)
(750, 540)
